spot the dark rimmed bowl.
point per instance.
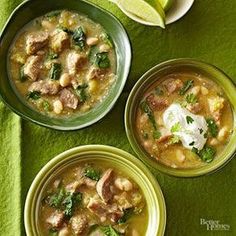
(29, 10)
(147, 80)
(129, 165)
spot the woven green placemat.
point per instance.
(208, 33)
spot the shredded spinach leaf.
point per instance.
(56, 199)
(102, 60)
(212, 126)
(92, 173)
(127, 214)
(23, 77)
(92, 54)
(79, 37)
(55, 71)
(34, 95)
(187, 85)
(81, 92)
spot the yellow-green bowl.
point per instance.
(147, 80)
(116, 157)
(31, 9)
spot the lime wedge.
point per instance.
(166, 4)
(148, 12)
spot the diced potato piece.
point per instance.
(214, 142)
(204, 90)
(93, 86)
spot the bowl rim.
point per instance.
(144, 156)
(124, 78)
(67, 155)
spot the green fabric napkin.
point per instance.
(208, 33)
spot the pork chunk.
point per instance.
(104, 211)
(157, 103)
(75, 61)
(96, 73)
(194, 108)
(45, 87)
(79, 224)
(32, 67)
(104, 184)
(173, 85)
(56, 219)
(69, 99)
(36, 41)
(59, 41)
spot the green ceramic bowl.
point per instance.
(150, 78)
(116, 157)
(29, 10)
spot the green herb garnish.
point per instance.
(55, 71)
(187, 85)
(200, 131)
(34, 95)
(81, 92)
(109, 231)
(176, 127)
(191, 98)
(23, 77)
(189, 119)
(207, 154)
(92, 173)
(79, 37)
(70, 202)
(102, 60)
(56, 199)
(92, 54)
(192, 143)
(212, 127)
(174, 139)
(46, 106)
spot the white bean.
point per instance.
(57, 106)
(104, 48)
(65, 80)
(123, 184)
(214, 142)
(92, 41)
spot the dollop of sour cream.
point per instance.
(189, 128)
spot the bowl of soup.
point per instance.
(180, 118)
(65, 63)
(95, 190)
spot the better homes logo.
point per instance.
(214, 225)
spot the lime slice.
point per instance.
(166, 4)
(148, 12)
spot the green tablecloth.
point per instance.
(207, 32)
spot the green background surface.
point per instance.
(207, 32)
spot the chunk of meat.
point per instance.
(75, 61)
(104, 211)
(79, 223)
(69, 99)
(157, 103)
(123, 201)
(96, 73)
(165, 135)
(59, 41)
(194, 108)
(45, 87)
(123, 184)
(32, 67)
(89, 182)
(104, 186)
(56, 219)
(36, 41)
(173, 85)
(73, 187)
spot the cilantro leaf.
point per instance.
(207, 154)
(187, 85)
(174, 139)
(191, 98)
(176, 127)
(34, 95)
(189, 119)
(212, 126)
